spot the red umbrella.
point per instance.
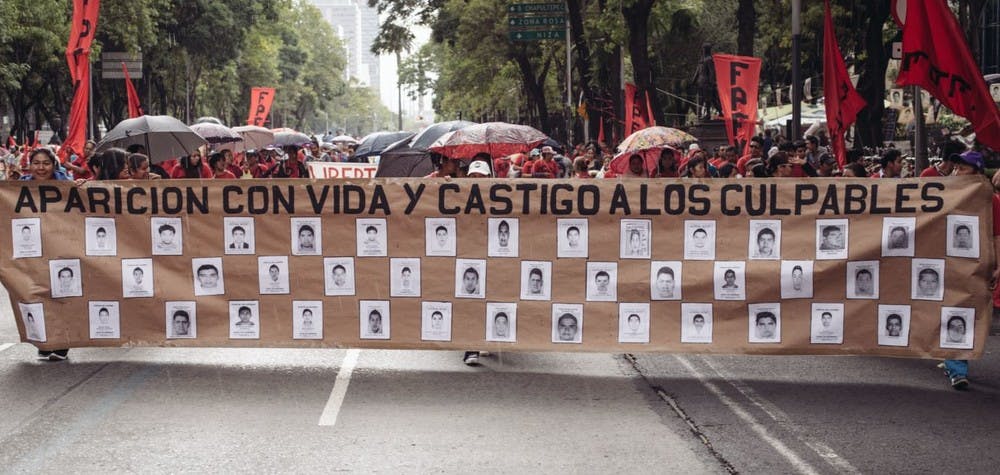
(495, 138)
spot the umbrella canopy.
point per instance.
(495, 138)
(282, 139)
(404, 161)
(254, 136)
(215, 133)
(619, 164)
(343, 139)
(654, 138)
(426, 137)
(375, 143)
(208, 120)
(164, 137)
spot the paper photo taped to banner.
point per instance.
(272, 274)
(633, 323)
(635, 239)
(404, 277)
(27, 237)
(244, 319)
(602, 281)
(307, 237)
(696, 323)
(699, 240)
(440, 237)
(168, 236)
(435, 321)
(372, 237)
(536, 280)
(796, 279)
(898, 237)
(827, 325)
(831, 239)
(765, 323)
(894, 325)
(137, 278)
(573, 238)
(567, 323)
(374, 319)
(307, 320)
(102, 236)
(239, 235)
(208, 276)
(65, 278)
(501, 322)
(104, 320)
(928, 279)
(338, 276)
(765, 239)
(33, 318)
(503, 237)
(470, 278)
(730, 280)
(962, 239)
(665, 279)
(957, 327)
(862, 280)
(181, 320)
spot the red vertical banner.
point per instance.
(738, 78)
(81, 36)
(636, 113)
(260, 105)
(134, 108)
(842, 101)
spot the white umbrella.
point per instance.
(254, 137)
(344, 139)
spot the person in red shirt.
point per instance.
(288, 165)
(756, 152)
(191, 166)
(666, 165)
(446, 167)
(501, 166)
(546, 167)
(218, 163)
(252, 166)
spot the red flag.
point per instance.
(635, 116)
(600, 131)
(81, 35)
(76, 135)
(738, 78)
(650, 118)
(134, 108)
(841, 99)
(260, 105)
(936, 58)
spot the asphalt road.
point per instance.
(247, 410)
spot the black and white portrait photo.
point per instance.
(699, 240)
(765, 322)
(602, 281)
(181, 320)
(502, 237)
(796, 279)
(665, 280)
(827, 324)
(831, 239)
(404, 277)
(765, 239)
(307, 237)
(101, 236)
(372, 237)
(928, 279)
(730, 280)
(65, 278)
(272, 275)
(137, 278)
(27, 237)
(898, 237)
(167, 236)
(893, 325)
(374, 319)
(962, 238)
(501, 322)
(635, 239)
(440, 236)
(435, 321)
(338, 276)
(573, 237)
(696, 323)
(633, 323)
(470, 278)
(33, 319)
(104, 320)
(862, 280)
(239, 235)
(244, 319)
(208, 276)
(957, 327)
(536, 280)
(567, 323)
(307, 320)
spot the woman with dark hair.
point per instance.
(697, 167)
(217, 161)
(110, 165)
(191, 166)
(666, 165)
(138, 167)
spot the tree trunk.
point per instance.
(583, 75)
(746, 19)
(533, 86)
(637, 21)
(871, 84)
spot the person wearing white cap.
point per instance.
(479, 169)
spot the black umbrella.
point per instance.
(551, 142)
(298, 139)
(401, 160)
(164, 137)
(426, 137)
(375, 143)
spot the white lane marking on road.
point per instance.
(779, 416)
(332, 409)
(4, 346)
(800, 465)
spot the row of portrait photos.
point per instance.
(374, 319)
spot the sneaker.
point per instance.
(959, 382)
(471, 358)
(43, 355)
(59, 355)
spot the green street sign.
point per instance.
(537, 35)
(533, 21)
(536, 8)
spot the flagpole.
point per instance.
(919, 132)
(795, 131)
